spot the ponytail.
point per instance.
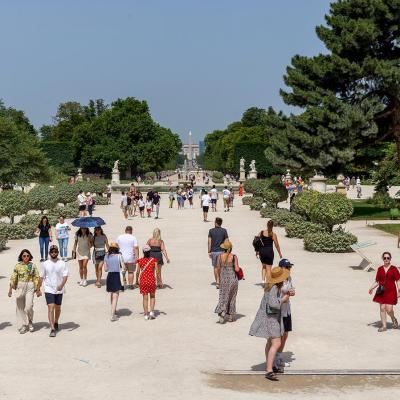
(270, 225)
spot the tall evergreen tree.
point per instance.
(351, 95)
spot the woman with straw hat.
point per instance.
(114, 264)
(227, 266)
(268, 322)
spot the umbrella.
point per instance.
(88, 222)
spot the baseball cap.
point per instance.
(285, 263)
(53, 247)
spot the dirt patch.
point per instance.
(301, 383)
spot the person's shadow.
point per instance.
(124, 312)
(69, 326)
(287, 356)
(378, 324)
(4, 325)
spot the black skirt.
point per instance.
(266, 255)
(114, 282)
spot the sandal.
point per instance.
(382, 329)
(395, 323)
(231, 318)
(271, 376)
(277, 370)
(98, 284)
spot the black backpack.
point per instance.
(257, 242)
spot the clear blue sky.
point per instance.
(198, 63)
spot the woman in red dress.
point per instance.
(387, 277)
(241, 189)
(147, 281)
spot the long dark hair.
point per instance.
(25, 251)
(101, 231)
(80, 233)
(270, 226)
(42, 219)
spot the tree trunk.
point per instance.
(396, 127)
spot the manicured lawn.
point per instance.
(394, 229)
(364, 210)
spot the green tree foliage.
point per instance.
(12, 203)
(21, 158)
(351, 95)
(18, 116)
(42, 197)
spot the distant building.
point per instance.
(202, 146)
(186, 151)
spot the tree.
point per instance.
(12, 203)
(350, 95)
(42, 198)
(19, 118)
(21, 159)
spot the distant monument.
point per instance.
(79, 177)
(253, 171)
(115, 176)
(191, 152)
(242, 171)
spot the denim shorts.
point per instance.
(214, 257)
(52, 298)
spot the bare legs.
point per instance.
(216, 276)
(146, 303)
(159, 277)
(53, 313)
(387, 309)
(114, 301)
(265, 273)
(271, 349)
(99, 270)
(83, 269)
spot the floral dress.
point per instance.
(147, 280)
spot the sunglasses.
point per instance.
(54, 251)
(25, 255)
(386, 258)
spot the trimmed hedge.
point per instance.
(34, 219)
(337, 241)
(281, 217)
(300, 228)
(42, 197)
(17, 231)
(100, 201)
(217, 177)
(12, 203)
(304, 202)
(246, 200)
(70, 210)
(3, 243)
(256, 203)
(267, 212)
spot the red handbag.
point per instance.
(239, 274)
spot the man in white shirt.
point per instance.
(214, 197)
(226, 194)
(54, 274)
(129, 247)
(205, 203)
(82, 204)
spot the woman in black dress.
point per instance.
(157, 251)
(266, 251)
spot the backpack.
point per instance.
(257, 243)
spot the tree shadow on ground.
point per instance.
(5, 325)
(378, 324)
(287, 356)
(124, 312)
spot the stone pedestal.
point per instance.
(115, 177)
(79, 177)
(341, 188)
(318, 183)
(253, 174)
(242, 176)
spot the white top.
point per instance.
(148, 204)
(358, 181)
(126, 243)
(109, 188)
(140, 203)
(205, 200)
(81, 199)
(52, 274)
(62, 230)
(214, 193)
(124, 200)
(285, 307)
(226, 193)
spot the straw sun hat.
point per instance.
(227, 245)
(278, 274)
(114, 245)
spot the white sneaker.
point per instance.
(146, 317)
(152, 315)
(80, 282)
(84, 282)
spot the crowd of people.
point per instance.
(126, 270)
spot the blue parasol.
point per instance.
(88, 222)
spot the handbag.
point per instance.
(381, 288)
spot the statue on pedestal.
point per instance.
(79, 177)
(242, 171)
(115, 176)
(253, 171)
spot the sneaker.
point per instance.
(114, 318)
(52, 333)
(42, 259)
(152, 315)
(221, 318)
(80, 282)
(23, 330)
(56, 326)
(30, 327)
(146, 317)
(84, 282)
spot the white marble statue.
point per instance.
(242, 161)
(253, 166)
(116, 165)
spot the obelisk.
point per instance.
(190, 153)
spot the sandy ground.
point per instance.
(179, 354)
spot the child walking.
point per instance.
(149, 206)
(147, 281)
(141, 206)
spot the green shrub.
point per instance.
(217, 177)
(17, 231)
(281, 217)
(383, 201)
(150, 177)
(267, 212)
(394, 213)
(251, 185)
(12, 203)
(331, 209)
(299, 229)
(34, 219)
(66, 193)
(270, 197)
(70, 210)
(256, 203)
(246, 200)
(304, 202)
(329, 242)
(3, 243)
(270, 188)
(42, 198)
(100, 200)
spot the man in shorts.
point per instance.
(216, 236)
(129, 248)
(82, 204)
(226, 195)
(54, 274)
(214, 198)
(205, 203)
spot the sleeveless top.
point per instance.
(267, 240)
(99, 242)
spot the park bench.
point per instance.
(366, 264)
